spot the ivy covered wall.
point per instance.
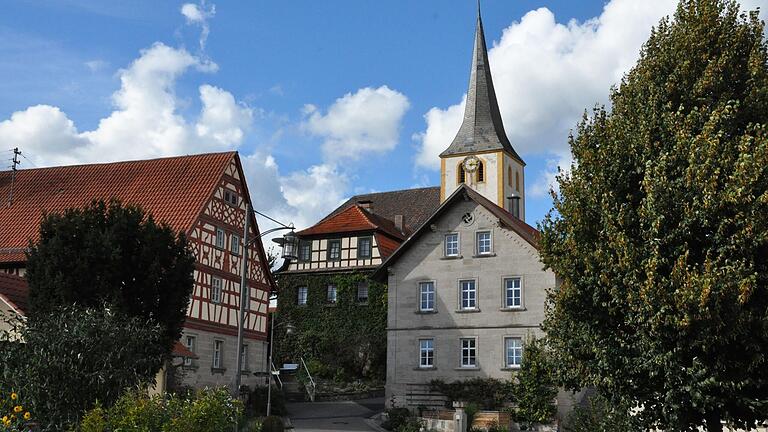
(345, 340)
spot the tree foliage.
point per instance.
(660, 234)
(600, 415)
(536, 389)
(347, 339)
(76, 356)
(107, 252)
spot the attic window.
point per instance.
(462, 174)
(231, 198)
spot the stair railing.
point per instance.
(310, 386)
(276, 375)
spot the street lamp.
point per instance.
(290, 245)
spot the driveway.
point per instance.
(334, 416)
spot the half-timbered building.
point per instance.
(203, 196)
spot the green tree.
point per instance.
(77, 356)
(535, 390)
(113, 253)
(659, 233)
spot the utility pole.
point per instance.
(16, 154)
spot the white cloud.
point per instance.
(365, 122)
(442, 126)
(547, 179)
(199, 14)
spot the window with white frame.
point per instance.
(189, 342)
(484, 243)
(244, 358)
(362, 292)
(468, 290)
(331, 294)
(452, 245)
(235, 244)
(513, 293)
(513, 347)
(364, 247)
(468, 352)
(301, 298)
(426, 353)
(426, 296)
(216, 289)
(220, 238)
(218, 349)
(334, 250)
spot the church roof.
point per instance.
(173, 189)
(415, 205)
(482, 128)
(506, 219)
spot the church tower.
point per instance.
(480, 155)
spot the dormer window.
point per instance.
(231, 198)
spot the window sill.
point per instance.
(488, 255)
(191, 367)
(462, 311)
(451, 257)
(513, 309)
(511, 368)
(425, 312)
(425, 368)
(467, 368)
(215, 371)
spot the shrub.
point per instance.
(535, 390)
(487, 393)
(396, 417)
(272, 424)
(81, 356)
(205, 411)
(600, 415)
(411, 424)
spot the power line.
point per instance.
(28, 160)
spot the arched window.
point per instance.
(480, 171)
(517, 181)
(462, 176)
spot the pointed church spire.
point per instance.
(482, 128)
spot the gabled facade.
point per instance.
(203, 196)
(467, 288)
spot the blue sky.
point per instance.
(322, 99)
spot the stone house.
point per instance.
(204, 196)
(467, 288)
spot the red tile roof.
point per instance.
(173, 189)
(353, 219)
(179, 350)
(15, 292)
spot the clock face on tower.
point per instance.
(471, 163)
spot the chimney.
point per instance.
(400, 223)
(366, 204)
(514, 205)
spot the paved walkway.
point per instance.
(334, 416)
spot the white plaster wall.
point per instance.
(488, 188)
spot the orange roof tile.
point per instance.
(179, 350)
(15, 292)
(353, 219)
(173, 189)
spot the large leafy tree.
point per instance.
(660, 231)
(108, 252)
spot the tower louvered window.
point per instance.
(480, 171)
(462, 174)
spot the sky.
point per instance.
(323, 100)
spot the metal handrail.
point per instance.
(312, 388)
(276, 374)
